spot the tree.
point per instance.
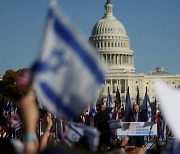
(8, 86)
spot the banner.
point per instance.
(137, 129)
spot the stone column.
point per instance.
(122, 61)
(110, 59)
(118, 59)
(128, 59)
(115, 59)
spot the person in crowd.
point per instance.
(136, 116)
(119, 114)
(123, 148)
(101, 123)
(45, 136)
(29, 115)
(83, 118)
(156, 119)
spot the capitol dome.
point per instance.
(108, 25)
(112, 43)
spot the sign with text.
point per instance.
(137, 129)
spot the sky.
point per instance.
(153, 27)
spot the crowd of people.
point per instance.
(108, 139)
(88, 132)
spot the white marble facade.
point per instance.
(113, 46)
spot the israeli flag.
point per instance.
(68, 74)
(8, 108)
(93, 137)
(93, 110)
(149, 112)
(74, 133)
(115, 124)
(146, 108)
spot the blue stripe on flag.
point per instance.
(68, 139)
(64, 33)
(79, 126)
(75, 130)
(56, 99)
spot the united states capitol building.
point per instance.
(113, 46)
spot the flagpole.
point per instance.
(146, 102)
(109, 97)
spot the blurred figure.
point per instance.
(29, 114)
(83, 118)
(156, 119)
(101, 123)
(45, 136)
(123, 148)
(136, 116)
